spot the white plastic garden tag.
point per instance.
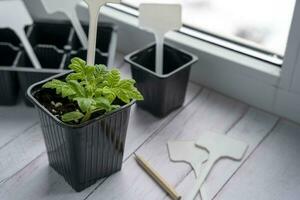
(94, 8)
(186, 151)
(14, 15)
(160, 19)
(68, 7)
(219, 146)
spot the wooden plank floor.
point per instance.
(269, 171)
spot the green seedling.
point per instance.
(94, 89)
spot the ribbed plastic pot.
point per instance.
(162, 93)
(83, 153)
(52, 61)
(9, 86)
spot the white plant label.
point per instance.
(68, 7)
(94, 9)
(14, 15)
(219, 146)
(186, 151)
(160, 19)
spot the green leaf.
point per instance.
(101, 70)
(54, 84)
(77, 65)
(109, 94)
(102, 102)
(78, 88)
(113, 77)
(72, 116)
(75, 76)
(61, 88)
(89, 71)
(127, 91)
(122, 94)
(84, 103)
(135, 94)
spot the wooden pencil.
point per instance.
(157, 178)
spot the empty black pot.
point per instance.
(51, 59)
(83, 153)
(162, 93)
(9, 86)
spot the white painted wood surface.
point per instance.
(17, 154)
(15, 120)
(251, 129)
(272, 172)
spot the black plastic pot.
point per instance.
(52, 61)
(9, 86)
(83, 153)
(107, 36)
(162, 93)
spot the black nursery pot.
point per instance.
(83, 153)
(52, 61)
(162, 93)
(9, 86)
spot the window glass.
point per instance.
(260, 23)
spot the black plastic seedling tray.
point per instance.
(52, 61)
(107, 36)
(56, 33)
(82, 53)
(9, 87)
(55, 43)
(8, 36)
(162, 93)
(83, 153)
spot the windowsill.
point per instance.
(247, 65)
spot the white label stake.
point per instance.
(94, 8)
(14, 15)
(68, 7)
(160, 19)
